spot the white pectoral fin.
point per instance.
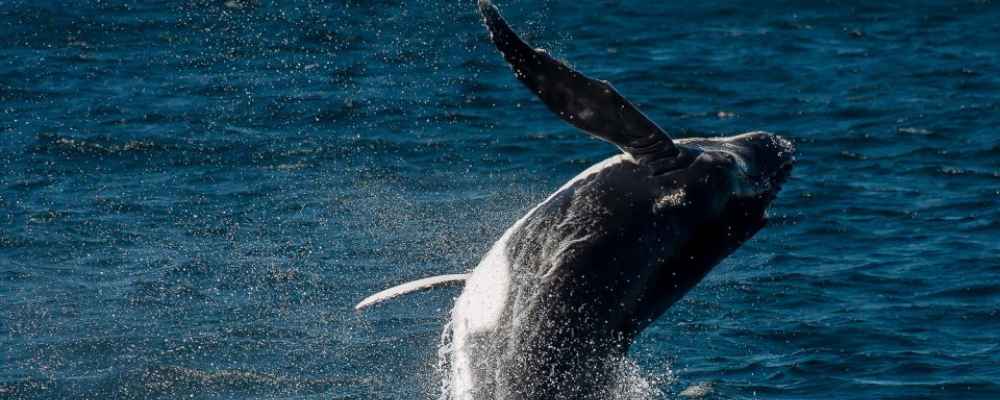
(411, 287)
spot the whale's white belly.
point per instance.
(478, 309)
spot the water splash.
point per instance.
(631, 381)
(635, 383)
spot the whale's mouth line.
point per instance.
(755, 206)
(777, 181)
(778, 178)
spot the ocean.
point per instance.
(194, 194)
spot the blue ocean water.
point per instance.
(194, 194)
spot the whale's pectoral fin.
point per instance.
(589, 104)
(411, 287)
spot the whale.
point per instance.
(553, 307)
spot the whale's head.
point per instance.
(734, 179)
(713, 199)
(744, 172)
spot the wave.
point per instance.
(49, 143)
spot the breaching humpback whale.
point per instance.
(559, 298)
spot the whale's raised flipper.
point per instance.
(411, 287)
(589, 104)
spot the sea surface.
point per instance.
(194, 194)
